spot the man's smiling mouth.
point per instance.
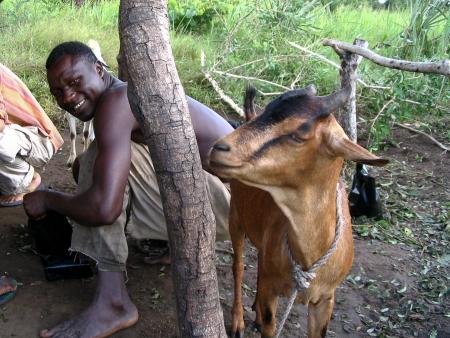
(78, 105)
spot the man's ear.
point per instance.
(344, 147)
(99, 68)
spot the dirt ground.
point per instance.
(398, 287)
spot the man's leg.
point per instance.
(147, 219)
(111, 308)
(110, 311)
(21, 148)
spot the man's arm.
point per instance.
(101, 204)
(208, 126)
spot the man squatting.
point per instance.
(117, 189)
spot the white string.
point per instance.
(302, 279)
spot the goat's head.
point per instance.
(294, 139)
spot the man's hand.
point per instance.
(2, 125)
(34, 204)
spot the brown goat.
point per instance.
(285, 166)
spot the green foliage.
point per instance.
(251, 41)
(30, 29)
(196, 15)
(423, 35)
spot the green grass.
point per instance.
(250, 40)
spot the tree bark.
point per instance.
(159, 104)
(349, 75)
(123, 72)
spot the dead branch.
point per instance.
(277, 57)
(349, 75)
(225, 251)
(439, 144)
(249, 78)
(334, 64)
(269, 94)
(217, 88)
(378, 115)
(436, 106)
(229, 38)
(441, 67)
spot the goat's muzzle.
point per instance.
(222, 161)
(221, 146)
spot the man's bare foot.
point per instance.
(111, 311)
(15, 199)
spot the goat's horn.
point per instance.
(311, 89)
(249, 107)
(336, 100)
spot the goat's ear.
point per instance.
(344, 147)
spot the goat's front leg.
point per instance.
(255, 306)
(266, 304)
(88, 134)
(319, 315)
(73, 134)
(237, 238)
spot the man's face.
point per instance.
(76, 85)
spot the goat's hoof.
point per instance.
(238, 334)
(255, 327)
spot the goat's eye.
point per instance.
(296, 137)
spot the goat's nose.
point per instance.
(221, 147)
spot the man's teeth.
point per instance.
(78, 105)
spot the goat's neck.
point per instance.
(311, 211)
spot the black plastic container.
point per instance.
(364, 198)
(52, 236)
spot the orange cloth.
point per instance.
(18, 106)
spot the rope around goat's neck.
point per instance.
(302, 279)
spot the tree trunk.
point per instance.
(349, 75)
(123, 73)
(159, 104)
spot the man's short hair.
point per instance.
(73, 48)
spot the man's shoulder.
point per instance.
(119, 88)
(113, 105)
(115, 94)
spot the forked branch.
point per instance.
(441, 67)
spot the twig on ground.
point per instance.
(226, 251)
(439, 144)
(217, 88)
